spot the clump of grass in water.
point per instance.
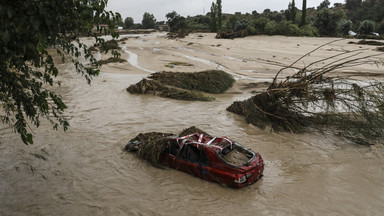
(146, 86)
(108, 45)
(211, 81)
(184, 86)
(175, 64)
(111, 60)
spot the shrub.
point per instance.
(251, 29)
(259, 24)
(344, 26)
(366, 27)
(270, 28)
(241, 25)
(380, 27)
(287, 28)
(326, 21)
(309, 30)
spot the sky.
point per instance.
(159, 8)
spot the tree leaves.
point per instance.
(27, 30)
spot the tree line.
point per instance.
(364, 17)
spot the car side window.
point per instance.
(193, 154)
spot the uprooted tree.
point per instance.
(316, 97)
(29, 32)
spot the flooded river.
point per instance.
(87, 173)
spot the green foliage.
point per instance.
(366, 27)
(241, 25)
(231, 22)
(155, 87)
(219, 15)
(129, 23)
(212, 81)
(326, 21)
(287, 28)
(309, 31)
(119, 22)
(198, 23)
(260, 24)
(270, 28)
(213, 24)
(344, 26)
(175, 21)
(324, 4)
(111, 60)
(290, 13)
(27, 70)
(358, 10)
(293, 11)
(148, 21)
(380, 27)
(304, 13)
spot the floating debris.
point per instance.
(39, 156)
(315, 97)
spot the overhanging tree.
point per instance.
(28, 29)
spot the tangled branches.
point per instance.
(316, 96)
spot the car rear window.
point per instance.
(236, 155)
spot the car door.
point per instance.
(192, 161)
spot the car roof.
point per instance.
(204, 141)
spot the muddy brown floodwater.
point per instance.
(86, 171)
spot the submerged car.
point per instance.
(214, 159)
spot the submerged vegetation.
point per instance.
(314, 97)
(184, 86)
(175, 64)
(154, 87)
(211, 81)
(153, 143)
(111, 60)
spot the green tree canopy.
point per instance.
(149, 21)
(366, 27)
(213, 14)
(219, 15)
(326, 21)
(129, 23)
(304, 13)
(27, 30)
(175, 21)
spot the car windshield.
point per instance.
(236, 155)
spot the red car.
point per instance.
(214, 159)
